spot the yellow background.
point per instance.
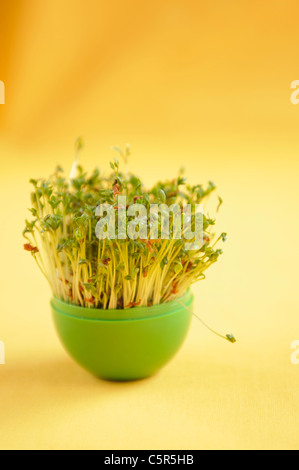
(204, 84)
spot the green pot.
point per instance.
(126, 344)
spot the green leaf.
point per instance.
(181, 181)
(117, 149)
(83, 261)
(231, 339)
(161, 195)
(224, 236)
(220, 203)
(164, 262)
(178, 267)
(79, 143)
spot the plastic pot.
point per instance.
(125, 344)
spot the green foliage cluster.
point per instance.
(120, 273)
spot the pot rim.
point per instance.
(136, 313)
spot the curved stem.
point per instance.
(229, 338)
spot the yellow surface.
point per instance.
(204, 84)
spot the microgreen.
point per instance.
(120, 273)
